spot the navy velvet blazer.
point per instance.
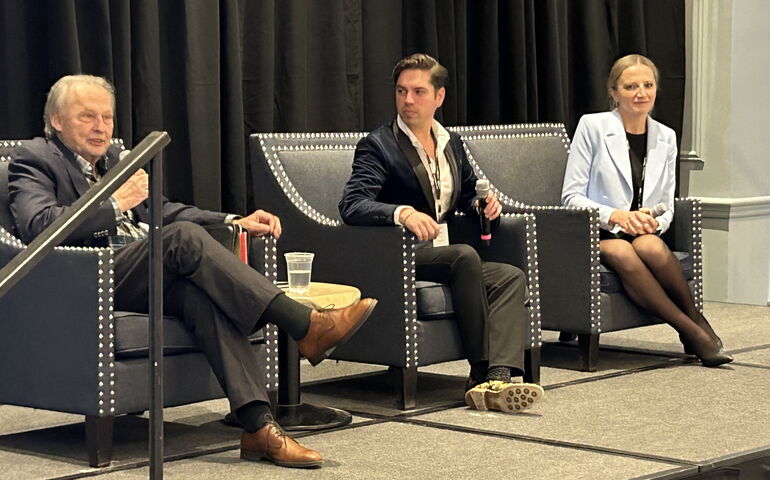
(387, 172)
(44, 180)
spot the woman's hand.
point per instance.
(637, 222)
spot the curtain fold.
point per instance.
(211, 72)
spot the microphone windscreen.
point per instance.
(482, 188)
(659, 210)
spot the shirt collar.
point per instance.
(83, 164)
(441, 134)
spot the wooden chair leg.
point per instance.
(405, 380)
(99, 440)
(532, 365)
(588, 347)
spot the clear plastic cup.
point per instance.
(299, 265)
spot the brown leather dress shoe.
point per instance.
(330, 328)
(271, 443)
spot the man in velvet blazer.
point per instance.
(412, 172)
(220, 299)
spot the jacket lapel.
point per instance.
(450, 156)
(67, 157)
(417, 166)
(656, 159)
(617, 146)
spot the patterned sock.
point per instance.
(499, 373)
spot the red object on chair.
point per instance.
(243, 241)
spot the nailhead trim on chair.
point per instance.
(271, 154)
(533, 272)
(106, 361)
(697, 250)
(410, 300)
(271, 331)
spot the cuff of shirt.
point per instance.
(397, 214)
(118, 213)
(230, 217)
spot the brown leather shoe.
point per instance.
(271, 443)
(329, 328)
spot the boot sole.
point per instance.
(475, 399)
(323, 355)
(516, 398)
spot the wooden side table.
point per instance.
(290, 412)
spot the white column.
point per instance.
(726, 128)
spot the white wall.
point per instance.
(727, 125)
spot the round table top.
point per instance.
(325, 295)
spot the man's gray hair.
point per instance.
(57, 95)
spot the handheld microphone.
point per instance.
(658, 210)
(482, 191)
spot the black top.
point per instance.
(637, 151)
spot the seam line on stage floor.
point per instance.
(551, 442)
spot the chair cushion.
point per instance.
(131, 331)
(434, 301)
(610, 282)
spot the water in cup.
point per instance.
(299, 281)
(299, 267)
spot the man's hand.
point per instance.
(423, 226)
(133, 192)
(634, 223)
(493, 208)
(261, 223)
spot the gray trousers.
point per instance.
(218, 297)
(489, 301)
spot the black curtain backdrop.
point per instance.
(212, 72)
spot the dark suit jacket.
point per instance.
(44, 180)
(387, 172)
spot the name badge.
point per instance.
(443, 236)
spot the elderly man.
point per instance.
(412, 172)
(221, 300)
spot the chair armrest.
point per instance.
(568, 260)
(514, 241)
(685, 232)
(686, 235)
(513, 238)
(380, 262)
(56, 344)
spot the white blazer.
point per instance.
(598, 171)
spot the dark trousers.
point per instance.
(219, 298)
(489, 301)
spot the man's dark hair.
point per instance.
(439, 76)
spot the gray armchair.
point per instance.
(63, 347)
(300, 177)
(579, 296)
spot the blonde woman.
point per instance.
(623, 162)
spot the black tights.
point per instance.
(653, 279)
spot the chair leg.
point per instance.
(588, 347)
(532, 365)
(99, 440)
(405, 380)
